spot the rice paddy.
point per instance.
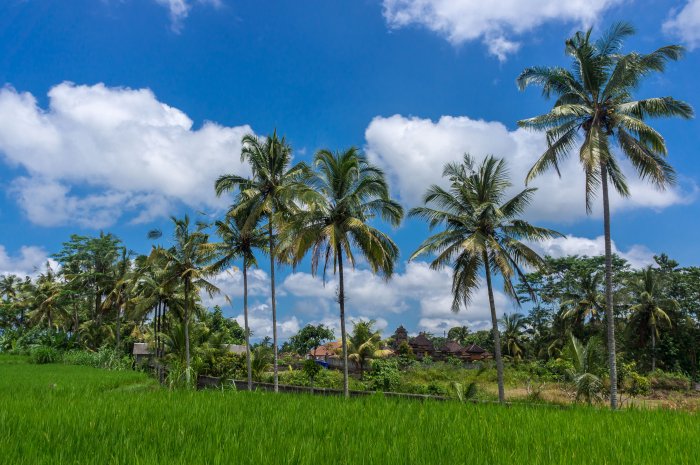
(60, 414)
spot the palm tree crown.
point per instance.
(595, 102)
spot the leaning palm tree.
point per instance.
(271, 193)
(651, 310)
(595, 103)
(237, 241)
(347, 194)
(514, 325)
(188, 262)
(481, 232)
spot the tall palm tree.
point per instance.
(649, 312)
(347, 193)
(237, 241)
(514, 325)
(271, 193)
(595, 103)
(188, 262)
(481, 232)
(118, 296)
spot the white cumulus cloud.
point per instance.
(413, 152)
(495, 23)
(97, 153)
(684, 23)
(638, 255)
(28, 261)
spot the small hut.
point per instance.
(141, 352)
(234, 348)
(453, 349)
(475, 352)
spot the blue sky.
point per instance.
(118, 113)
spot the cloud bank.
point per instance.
(97, 153)
(496, 23)
(414, 150)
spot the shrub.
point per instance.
(224, 365)
(42, 354)
(384, 376)
(559, 368)
(669, 381)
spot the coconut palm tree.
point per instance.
(458, 334)
(585, 360)
(595, 104)
(48, 299)
(513, 331)
(118, 296)
(237, 241)
(364, 344)
(271, 193)
(347, 193)
(584, 302)
(481, 232)
(188, 262)
(651, 310)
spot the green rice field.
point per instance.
(61, 414)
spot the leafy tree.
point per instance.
(310, 337)
(595, 101)
(272, 193)
(345, 195)
(481, 232)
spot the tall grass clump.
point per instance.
(106, 358)
(40, 355)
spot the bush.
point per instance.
(224, 365)
(42, 354)
(384, 376)
(328, 379)
(559, 368)
(666, 381)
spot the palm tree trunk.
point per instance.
(609, 317)
(653, 348)
(274, 306)
(187, 333)
(245, 321)
(494, 328)
(343, 334)
(118, 328)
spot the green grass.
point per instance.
(59, 414)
